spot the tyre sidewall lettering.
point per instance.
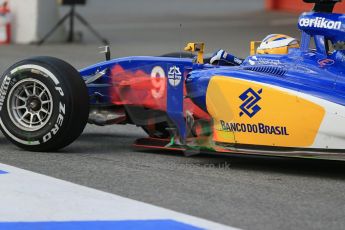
(58, 124)
(57, 120)
(4, 89)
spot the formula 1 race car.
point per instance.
(272, 104)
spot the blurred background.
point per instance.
(144, 27)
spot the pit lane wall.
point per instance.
(296, 6)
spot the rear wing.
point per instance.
(323, 25)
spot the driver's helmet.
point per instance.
(277, 44)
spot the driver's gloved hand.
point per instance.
(221, 57)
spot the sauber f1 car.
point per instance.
(272, 104)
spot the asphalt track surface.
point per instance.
(240, 191)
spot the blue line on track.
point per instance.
(3, 172)
(98, 225)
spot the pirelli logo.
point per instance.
(3, 90)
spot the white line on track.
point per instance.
(30, 197)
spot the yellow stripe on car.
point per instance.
(263, 116)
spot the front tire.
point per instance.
(44, 104)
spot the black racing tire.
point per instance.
(44, 104)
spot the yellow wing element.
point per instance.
(254, 46)
(197, 47)
(246, 112)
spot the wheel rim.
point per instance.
(30, 104)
